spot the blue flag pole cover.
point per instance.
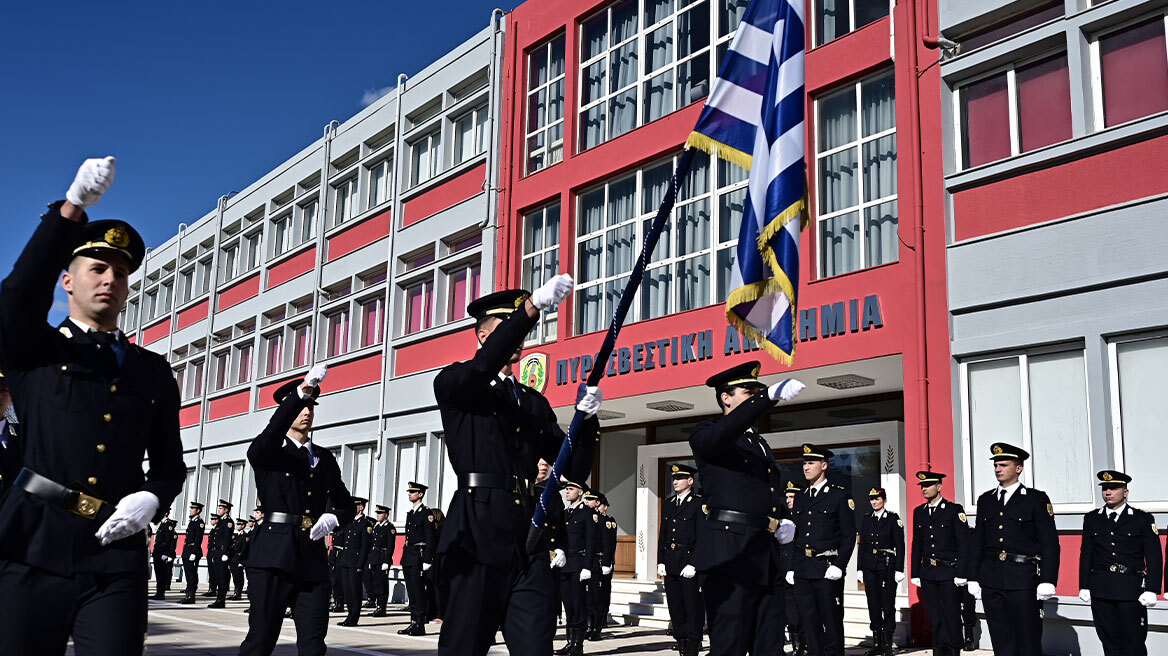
(755, 119)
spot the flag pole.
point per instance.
(600, 363)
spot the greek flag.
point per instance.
(754, 117)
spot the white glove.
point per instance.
(585, 574)
(833, 573)
(93, 179)
(960, 582)
(1045, 591)
(1147, 599)
(974, 589)
(385, 567)
(224, 558)
(860, 575)
(316, 375)
(661, 570)
(785, 390)
(790, 578)
(688, 572)
(166, 559)
(606, 570)
(915, 581)
(899, 577)
(786, 531)
(191, 558)
(131, 515)
(552, 292)
(559, 560)
(323, 526)
(426, 566)
(590, 403)
(1085, 595)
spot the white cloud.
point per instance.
(371, 95)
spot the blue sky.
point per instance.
(194, 99)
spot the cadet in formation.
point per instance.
(881, 569)
(355, 538)
(240, 546)
(737, 555)
(381, 549)
(192, 551)
(680, 517)
(1120, 565)
(940, 545)
(553, 540)
(219, 554)
(165, 542)
(825, 536)
(1014, 556)
(600, 595)
(496, 431)
(787, 557)
(582, 532)
(418, 557)
(102, 457)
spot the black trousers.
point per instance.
(687, 613)
(599, 587)
(880, 589)
(821, 609)
(379, 590)
(794, 624)
(223, 576)
(191, 571)
(215, 573)
(104, 613)
(968, 609)
(163, 574)
(337, 583)
(272, 591)
(605, 600)
(575, 594)
(482, 599)
(1015, 621)
(416, 592)
(1122, 626)
(237, 577)
(746, 616)
(943, 603)
(351, 580)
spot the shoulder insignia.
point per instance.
(851, 504)
(1050, 509)
(595, 517)
(900, 523)
(430, 517)
(705, 509)
(963, 518)
(392, 529)
(66, 332)
(369, 529)
(1154, 529)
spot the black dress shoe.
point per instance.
(337, 608)
(380, 612)
(187, 600)
(413, 630)
(209, 593)
(369, 604)
(237, 596)
(347, 622)
(217, 604)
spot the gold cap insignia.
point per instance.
(873, 492)
(806, 449)
(997, 450)
(1107, 476)
(851, 504)
(790, 485)
(520, 299)
(922, 476)
(676, 468)
(117, 237)
(754, 372)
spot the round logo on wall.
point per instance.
(533, 371)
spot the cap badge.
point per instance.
(997, 450)
(1107, 476)
(676, 468)
(520, 299)
(873, 492)
(806, 449)
(117, 237)
(754, 372)
(922, 475)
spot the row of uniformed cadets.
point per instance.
(585, 557)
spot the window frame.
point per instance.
(1115, 443)
(1099, 123)
(386, 166)
(546, 329)
(546, 128)
(852, 29)
(343, 213)
(433, 139)
(478, 133)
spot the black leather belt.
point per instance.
(673, 546)
(492, 481)
(884, 552)
(303, 521)
(811, 553)
(746, 519)
(75, 501)
(1007, 557)
(938, 562)
(1116, 568)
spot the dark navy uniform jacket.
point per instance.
(240, 546)
(1025, 526)
(738, 472)
(165, 538)
(1113, 553)
(552, 537)
(825, 523)
(356, 539)
(878, 535)
(421, 537)
(607, 555)
(193, 542)
(86, 422)
(383, 544)
(940, 544)
(582, 529)
(488, 431)
(287, 483)
(219, 538)
(679, 532)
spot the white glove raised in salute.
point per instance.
(589, 402)
(323, 526)
(316, 375)
(131, 515)
(785, 390)
(93, 179)
(553, 292)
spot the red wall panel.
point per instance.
(449, 193)
(239, 292)
(229, 406)
(292, 267)
(189, 416)
(264, 394)
(432, 353)
(191, 315)
(156, 332)
(358, 235)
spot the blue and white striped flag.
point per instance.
(754, 117)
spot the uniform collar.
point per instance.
(86, 328)
(822, 486)
(1122, 510)
(682, 497)
(939, 502)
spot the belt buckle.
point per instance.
(933, 562)
(1113, 568)
(810, 553)
(1002, 556)
(772, 524)
(673, 546)
(86, 506)
(305, 522)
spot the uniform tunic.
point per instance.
(1119, 559)
(939, 551)
(825, 535)
(675, 547)
(240, 546)
(881, 557)
(355, 538)
(583, 541)
(192, 553)
(381, 549)
(163, 553)
(421, 544)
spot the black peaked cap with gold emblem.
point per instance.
(927, 478)
(416, 487)
(1003, 451)
(289, 387)
(740, 375)
(1112, 477)
(682, 471)
(382, 509)
(100, 238)
(877, 493)
(498, 304)
(812, 452)
(794, 486)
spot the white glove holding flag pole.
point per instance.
(833, 573)
(1147, 599)
(1045, 591)
(790, 578)
(585, 574)
(323, 526)
(559, 560)
(131, 515)
(661, 570)
(786, 531)
(688, 572)
(1085, 595)
(589, 403)
(553, 292)
(974, 589)
(785, 390)
(93, 179)
(316, 375)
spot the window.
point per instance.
(308, 221)
(301, 336)
(165, 297)
(194, 379)
(1016, 110)
(1037, 400)
(202, 277)
(212, 484)
(380, 176)
(243, 363)
(1012, 25)
(221, 365)
(545, 105)
(252, 243)
(273, 354)
(412, 456)
(857, 125)
(417, 260)
(236, 484)
(424, 158)
(282, 235)
(182, 502)
(344, 201)
(835, 18)
(180, 376)
(372, 315)
(639, 64)
(186, 283)
(470, 131)
(1138, 390)
(465, 243)
(462, 283)
(541, 261)
(361, 473)
(337, 325)
(1132, 66)
(419, 306)
(611, 223)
